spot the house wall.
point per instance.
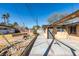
(58, 34)
(62, 35)
(66, 32)
(77, 30)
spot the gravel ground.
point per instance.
(18, 48)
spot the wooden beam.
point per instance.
(66, 18)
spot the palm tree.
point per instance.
(5, 18)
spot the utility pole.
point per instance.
(37, 21)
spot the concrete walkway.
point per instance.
(41, 46)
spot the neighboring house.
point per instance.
(6, 29)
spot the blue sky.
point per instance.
(27, 13)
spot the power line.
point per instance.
(29, 10)
(20, 18)
(31, 14)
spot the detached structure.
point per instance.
(9, 29)
(69, 25)
(5, 29)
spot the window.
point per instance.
(60, 29)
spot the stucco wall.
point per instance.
(66, 33)
(62, 35)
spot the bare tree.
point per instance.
(55, 17)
